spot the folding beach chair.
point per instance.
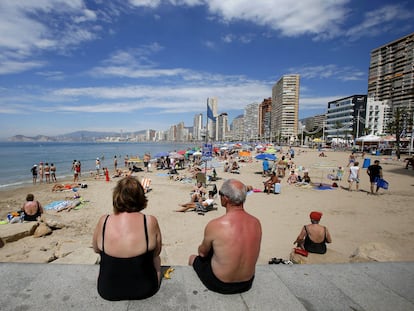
(146, 184)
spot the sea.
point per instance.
(17, 158)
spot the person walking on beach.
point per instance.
(354, 176)
(97, 167)
(230, 248)
(34, 173)
(375, 172)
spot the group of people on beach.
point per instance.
(43, 171)
(130, 244)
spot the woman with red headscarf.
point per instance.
(313, 237)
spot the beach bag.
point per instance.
(382, 183)
(301, 251)
(277, 188)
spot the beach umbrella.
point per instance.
(176, 155)
(181, 152)
(317, 140)
(244, 153)
(161, 154)
(271, 150)
(266, 156)
(197, 153)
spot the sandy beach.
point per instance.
(382, 223)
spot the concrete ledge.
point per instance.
(360, 286)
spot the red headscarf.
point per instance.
(315, 216)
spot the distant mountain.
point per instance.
(78, 136)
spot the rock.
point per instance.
(42, 230)
(373, 251)
(84, 255)
(53, 222)
(13, 232)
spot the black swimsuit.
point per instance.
(312, 247)
(33, 217)
(202, 266)
(127, 278)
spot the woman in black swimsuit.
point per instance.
(129, 243)
(313, 237)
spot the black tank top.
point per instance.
(127, 278)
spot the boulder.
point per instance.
(52, 221)
(13, 232)
(84, 255)
(373, 251)
(42, 230)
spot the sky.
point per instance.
(70, 65)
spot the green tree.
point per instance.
(401, 121)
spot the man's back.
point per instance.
(236, 238)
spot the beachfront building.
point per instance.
(212, 104)
(251, 122)
(222, 122)
(265, 111)
(237, 128)
(378, 112)
(343, 118)
(198, 127)
(314, 126)
(285, 109)
(391, 74)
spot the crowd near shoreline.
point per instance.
(376, 226)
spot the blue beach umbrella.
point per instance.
(267, 156)
(161, 154)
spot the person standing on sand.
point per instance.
(354, 176)
(115, 163)
(228, 254)
(375, 172)
(41, 172)
(34, 173)
(47, 173)
(53, 172)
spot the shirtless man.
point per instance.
(46, 169)
(268, 184)
(32, 209)
(228, 254)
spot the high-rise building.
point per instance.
(198, 127)
(285, 108)
(343, 118)
(222, 127)
(391, 73)
(376, 115)
(211, 124)
(251, 122)
(265, 115)
(237, 128)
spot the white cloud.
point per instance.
(378, 21)
(330, 71)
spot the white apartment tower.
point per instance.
(198, 127)
(212, 124)
(251, 122)
(285, 109)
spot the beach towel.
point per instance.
(382, 183)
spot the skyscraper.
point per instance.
(391, 73)
(251, 122)
(198, 127)
(285, 109)
(211, 118)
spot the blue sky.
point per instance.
(68, 65)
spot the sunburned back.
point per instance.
(236, 245)
(316, 232)
(125, 235)
(31, 207)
